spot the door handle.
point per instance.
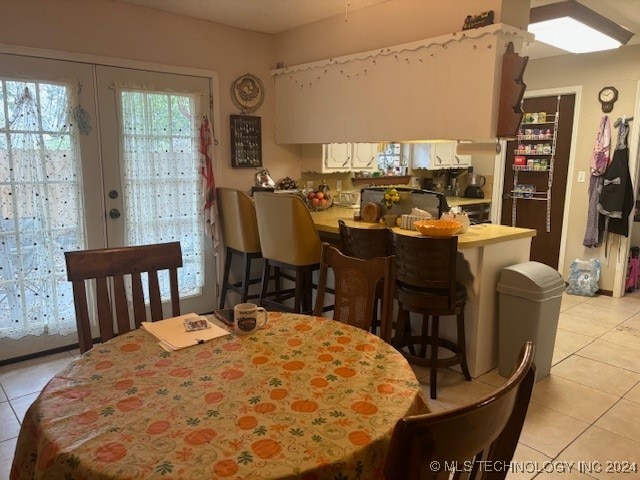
(114, 213)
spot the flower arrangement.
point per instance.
(391, 197)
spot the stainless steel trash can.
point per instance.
(529, 301)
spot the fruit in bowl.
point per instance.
(437, 228)
(317, 200)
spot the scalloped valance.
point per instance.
(445, 87)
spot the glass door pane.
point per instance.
(150, 149)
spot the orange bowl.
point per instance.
(437, 228)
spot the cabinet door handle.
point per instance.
(371, 161)
(346, 162)
(439, 159)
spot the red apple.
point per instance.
(311, 195)
(320, 195)
(315, 202)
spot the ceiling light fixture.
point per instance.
(573, 27)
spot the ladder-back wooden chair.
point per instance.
(109, 267)
(429, 446)
(356, 282)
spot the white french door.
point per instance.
(93, 156)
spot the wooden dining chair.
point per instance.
(356, 282)
(429, 446)
(366, 243)
(109, 267)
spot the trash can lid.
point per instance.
(532, 280)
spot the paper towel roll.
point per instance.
(473, 148)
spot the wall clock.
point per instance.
(247, 93)
(607, 97)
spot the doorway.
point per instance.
(535, 182)
(90, 157)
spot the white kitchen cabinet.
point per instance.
(339, 157)
(437, 155)
(364, 156)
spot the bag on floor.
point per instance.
(583, 277)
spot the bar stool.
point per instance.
(290, 242)
(240, 235)
(366, 243)
(426, 284)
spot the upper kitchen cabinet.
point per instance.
(445, 87)
(364, 156)
(339, 157)
(437, 155)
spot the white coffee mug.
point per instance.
(246, 317)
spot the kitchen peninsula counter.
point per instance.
(483, 252)
(477, 236)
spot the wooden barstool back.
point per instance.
(426, 284)
(364, 243)
(290, 242)
(356, 282)
(429, 446)
(109, 267)
(241, 238)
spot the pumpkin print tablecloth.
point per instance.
(305, 397)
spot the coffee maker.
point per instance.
(474, 185)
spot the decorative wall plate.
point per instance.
(247, 93)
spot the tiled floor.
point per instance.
(587, 410)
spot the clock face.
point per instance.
(607, 97)
(608, 94)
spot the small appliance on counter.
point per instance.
(474, 185)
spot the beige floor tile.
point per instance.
(624, 335)
(568, 343)
(573, 399)
(623, 419)
(560, 471)
(525, 461)
(633, 322)
(602, 313)
(592, 373)
(596, 446)
(633, 394)
(454, 390)
(31, 375)
(7, 449)
(548, 431)
(586, 326)
(626, 303)
(9, 426)
(569, 301)
(3, 396)
(420, 371)
(21, 404)
(612, 354)
(492, 378)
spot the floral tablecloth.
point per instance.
(305, 397)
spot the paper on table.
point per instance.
(172, 335)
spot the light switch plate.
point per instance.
(582, 176)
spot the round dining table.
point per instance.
(303, 398)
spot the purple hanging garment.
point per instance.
(599, 163)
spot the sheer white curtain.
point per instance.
(41, 207)
(160, 177)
